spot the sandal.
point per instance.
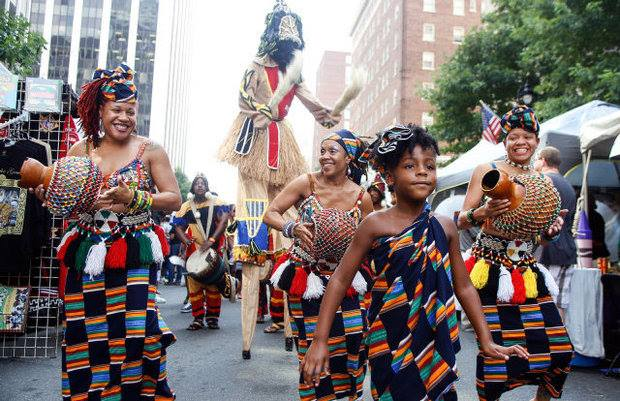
(213, 325)
(274, 328)
(196, 325)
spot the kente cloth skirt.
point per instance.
(115, 340)
(530, 319)
(347, 353)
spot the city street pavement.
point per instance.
(206, 365)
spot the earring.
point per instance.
(101, 131)
(348, 170)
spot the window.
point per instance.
(396, 69)
(395, 97)
(458, 33)
(396, 40)
(428, 6)
(396, 12)
(428, 32)
(427, 119)
(458, 7)
(472, 6)
(428, 61)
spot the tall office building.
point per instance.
(402, 43)
(16, 7)
(171, 119)
(85, 34)
(331, 79)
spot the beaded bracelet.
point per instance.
(142, 200)
(545, 237)
(470, 217)
(288, 229)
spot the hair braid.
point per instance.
(88, 109)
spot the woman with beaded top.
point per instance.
(115, 340)
(516, 292)
(331, 197)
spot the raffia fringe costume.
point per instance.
(267, 156)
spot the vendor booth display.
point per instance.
(40, 132)
(13, 309)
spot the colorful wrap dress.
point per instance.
(304, 280)
(517, 300)
(115, 340)
(413, 336)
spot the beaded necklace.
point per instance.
(525, 167)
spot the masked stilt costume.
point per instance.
(304, 273)
(262, 146)
(205, 294)
(517, 292)
(115, 340)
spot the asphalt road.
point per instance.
(206, 365)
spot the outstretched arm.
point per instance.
(321, 113)
(317, 356)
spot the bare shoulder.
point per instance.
(448, 225)
(481, 169)
(80, 148)
(151, 146)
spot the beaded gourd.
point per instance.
(72, 184)
(534, 203)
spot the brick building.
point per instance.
(401, 44)
(331, 78)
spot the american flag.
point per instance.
(491, 124)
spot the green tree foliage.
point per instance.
(20, 48)
(184, 183)
(569, 52)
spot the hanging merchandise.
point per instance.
(8, 89)
(69, 136)
(13, 309)
(24, 222)
(43, 95)
(48, 123)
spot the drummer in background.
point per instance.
(206, 300)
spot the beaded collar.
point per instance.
(525, 167)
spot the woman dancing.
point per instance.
(115, 340)
(516, 292)
(330, 199)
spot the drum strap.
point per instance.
(199, 222)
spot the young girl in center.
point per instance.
(418, 269)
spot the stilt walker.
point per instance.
(262, 146)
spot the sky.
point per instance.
(226, 38)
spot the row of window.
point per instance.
(428, 33)
(458, 6)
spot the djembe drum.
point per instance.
(534, 203)
(71, 184)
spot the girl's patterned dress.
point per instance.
(115, 340)
(413, 336)
(304, 281)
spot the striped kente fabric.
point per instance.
(115, 340)
(413, 335)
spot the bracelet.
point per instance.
(470, 217)
(142, 200)
(288, 229)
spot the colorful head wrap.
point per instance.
(520, 117)
(354, 148)
(378, 184)
(119, 86)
